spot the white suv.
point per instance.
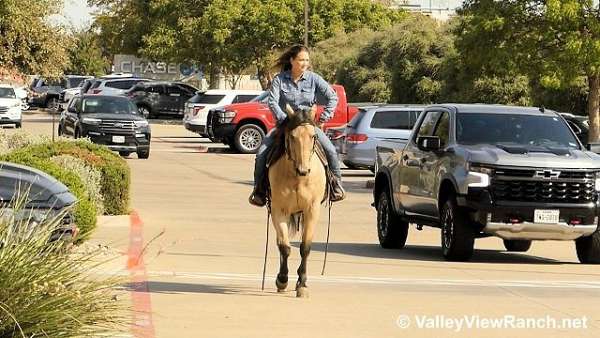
(196, 108)
(10, 106)
(112, 86)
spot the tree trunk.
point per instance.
(594, 108)
(215, 74)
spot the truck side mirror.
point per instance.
(429, 143)
(594, 147)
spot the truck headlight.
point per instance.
(92, 121)
(226, 116)
(597, 183)
(479, 177)
(140, 124)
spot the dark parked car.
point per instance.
(113, 121)
(153, 98)
(43, 198)
(579, 124)
(46, 93)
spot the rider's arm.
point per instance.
(273, 101)
(332, 100)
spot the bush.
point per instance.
(85, 210)
(116, 176)
(47, 292)
(89, 175)
(16, 140)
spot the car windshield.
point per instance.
(514, 130)
(206, 98)
(7, 93)
(74, 82)
(108, 105)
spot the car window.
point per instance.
(442, 129)
(206, 98)
(108, 105)
(190, 91)
(8, 93)
(575, 127)
(428, 124)
(392, 119)
(96, 84)
(76, 103)
(261, 98)
(175, 91)
(243, 98)
(157, 89)
(357, 118)
(120, 84)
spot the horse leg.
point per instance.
(283, 243)
(311, 218)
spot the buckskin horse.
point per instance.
(297, 183)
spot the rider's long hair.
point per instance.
(284, 63)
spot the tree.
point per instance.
(86, 56)
(555, 42)
(28, 42)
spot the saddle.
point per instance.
(277, 151)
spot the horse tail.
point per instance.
(295, 223)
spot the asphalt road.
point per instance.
(203, 271)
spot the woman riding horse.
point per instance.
(297, 87)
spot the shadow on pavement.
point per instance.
(430, 253)
(181, 288)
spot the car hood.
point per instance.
(39, 188)
(104, 116)
(244, 106)
(6, 102)
(543, 157)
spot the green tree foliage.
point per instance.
(86, 57)
(28, 42)
(229, 35)
(555, 42)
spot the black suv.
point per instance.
(153, 98)
(46, 93)
(109, 120)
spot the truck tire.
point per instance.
(145, 112)
(143, 154)
(248, 138)
(588, 248)
(458, 237)
(52, 103)
(391, 229)
(517, 245)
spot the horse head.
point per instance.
(301, 138)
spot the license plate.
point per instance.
(546, 216)
(118, 139)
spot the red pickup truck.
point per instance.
(242, 126)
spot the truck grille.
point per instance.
(548, 186)
(117, 127)
(3, 109)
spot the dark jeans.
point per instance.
(260, 164)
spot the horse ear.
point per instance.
(289, 110)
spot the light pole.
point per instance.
(306, 23)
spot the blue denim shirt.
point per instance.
(300, 96)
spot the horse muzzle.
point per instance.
(301, 171)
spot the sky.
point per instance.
(77, 13)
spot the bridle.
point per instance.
(289, 153)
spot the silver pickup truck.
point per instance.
(475, 171)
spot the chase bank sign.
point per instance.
(123, 63)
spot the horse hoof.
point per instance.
(302, 292)
(280, 286)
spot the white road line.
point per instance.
(564, 284)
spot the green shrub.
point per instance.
(11, 141)
(90, 176)
(116, 176)
(46, 291)
(85, 210)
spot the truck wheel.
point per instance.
(517, 245)
(588, 248)
(145, 112)
(52, 104)
(248, 138)
(124, 153)
(458, 237)
(391, 229)
(143, 154)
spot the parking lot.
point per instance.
(202, 267)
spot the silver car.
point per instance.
(372, 124)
